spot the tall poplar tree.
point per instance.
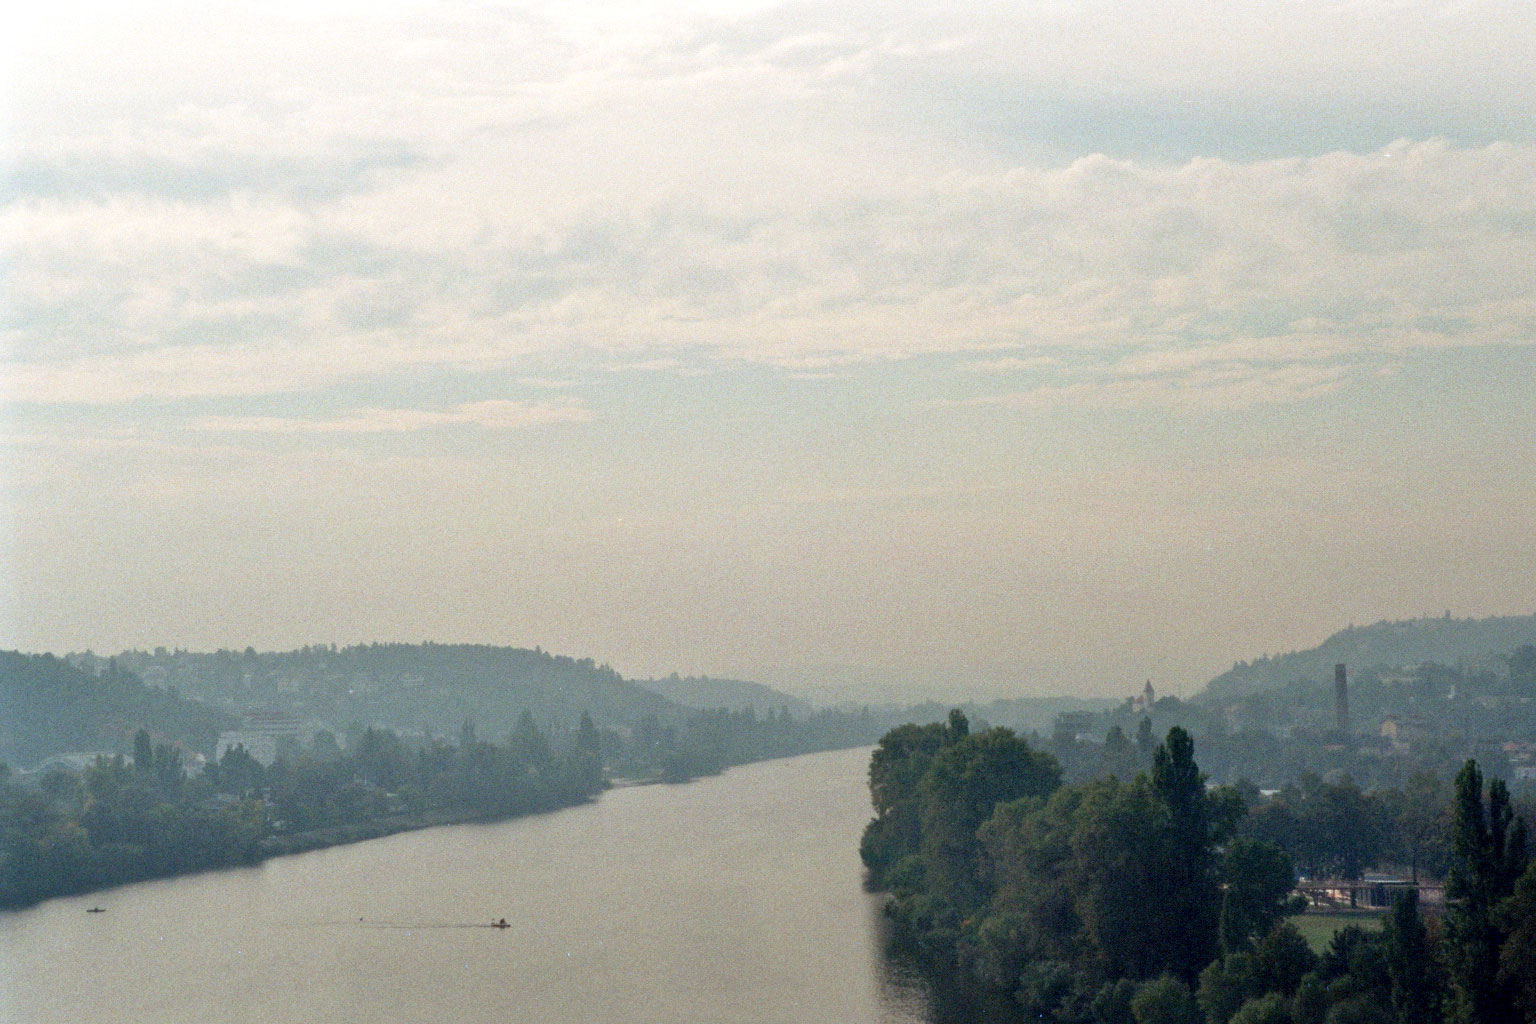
(1192, 899)
(1489, 854)
(1411, 964)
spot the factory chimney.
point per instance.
(1341, 699)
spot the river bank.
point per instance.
(736, 899)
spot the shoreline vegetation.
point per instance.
(1162, 900)
(122, 821)
(128, 820)
(83, 825)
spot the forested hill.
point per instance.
(48, 706)
(708, 694)
(429, 687)
(1412, 641)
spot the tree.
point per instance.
(899, 762)
(1282, 959)
(325, 746)
(1411, 963)
(143, 753)
(1112, 1003)
(1118, 875)
(1144, 740)
(1191, 898)
(529, 744)
(586, 735)
(1165, 1001)
(1489, 854)
(1420, 821)
(962, 787)
(1270, 1009)
(168, 772)
(1517, 958)
(1259, 878)
(1225, 985)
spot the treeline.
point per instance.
(121, 822)
(1156, 900)
(1331, 825)
(425, 687)
(708, 742)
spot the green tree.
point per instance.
(1118, 876)
(1489, 853)
(1225, 985)
(1420, 822)
(529, 744)
(1165, 1001)
(1281, 960)
(586, 735)
(1112, 1003)
(963, 785)
(1259, 879)
(1411, 963)
(1191, 899)
(1269, 1009)
(143, 753)
(1144, 739)
(1517, 958)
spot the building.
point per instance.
(1144, 701)
(264, 735)
(1403, 731)
(1076, 725)
(73, 762)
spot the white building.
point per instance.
(263, 734)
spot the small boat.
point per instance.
(500, 924)
(97, 910)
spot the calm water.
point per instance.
(736, 898)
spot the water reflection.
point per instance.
(904, 996)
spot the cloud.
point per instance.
(1419, 244)
(494, 414)
(1013, 364)
(467, 188)
(1222, 387)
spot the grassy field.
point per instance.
(1317, 927)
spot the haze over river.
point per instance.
(736, 898)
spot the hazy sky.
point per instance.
(1015, 347)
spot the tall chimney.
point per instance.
(1341, 699)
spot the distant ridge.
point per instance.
(708, 694)
(48, 706)
(1443, 640)
(431, 687)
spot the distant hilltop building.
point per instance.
(263, 734)
(1145, 700)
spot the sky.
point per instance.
(967, 348)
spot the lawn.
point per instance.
(1318, 927)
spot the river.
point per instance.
(730, 899)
